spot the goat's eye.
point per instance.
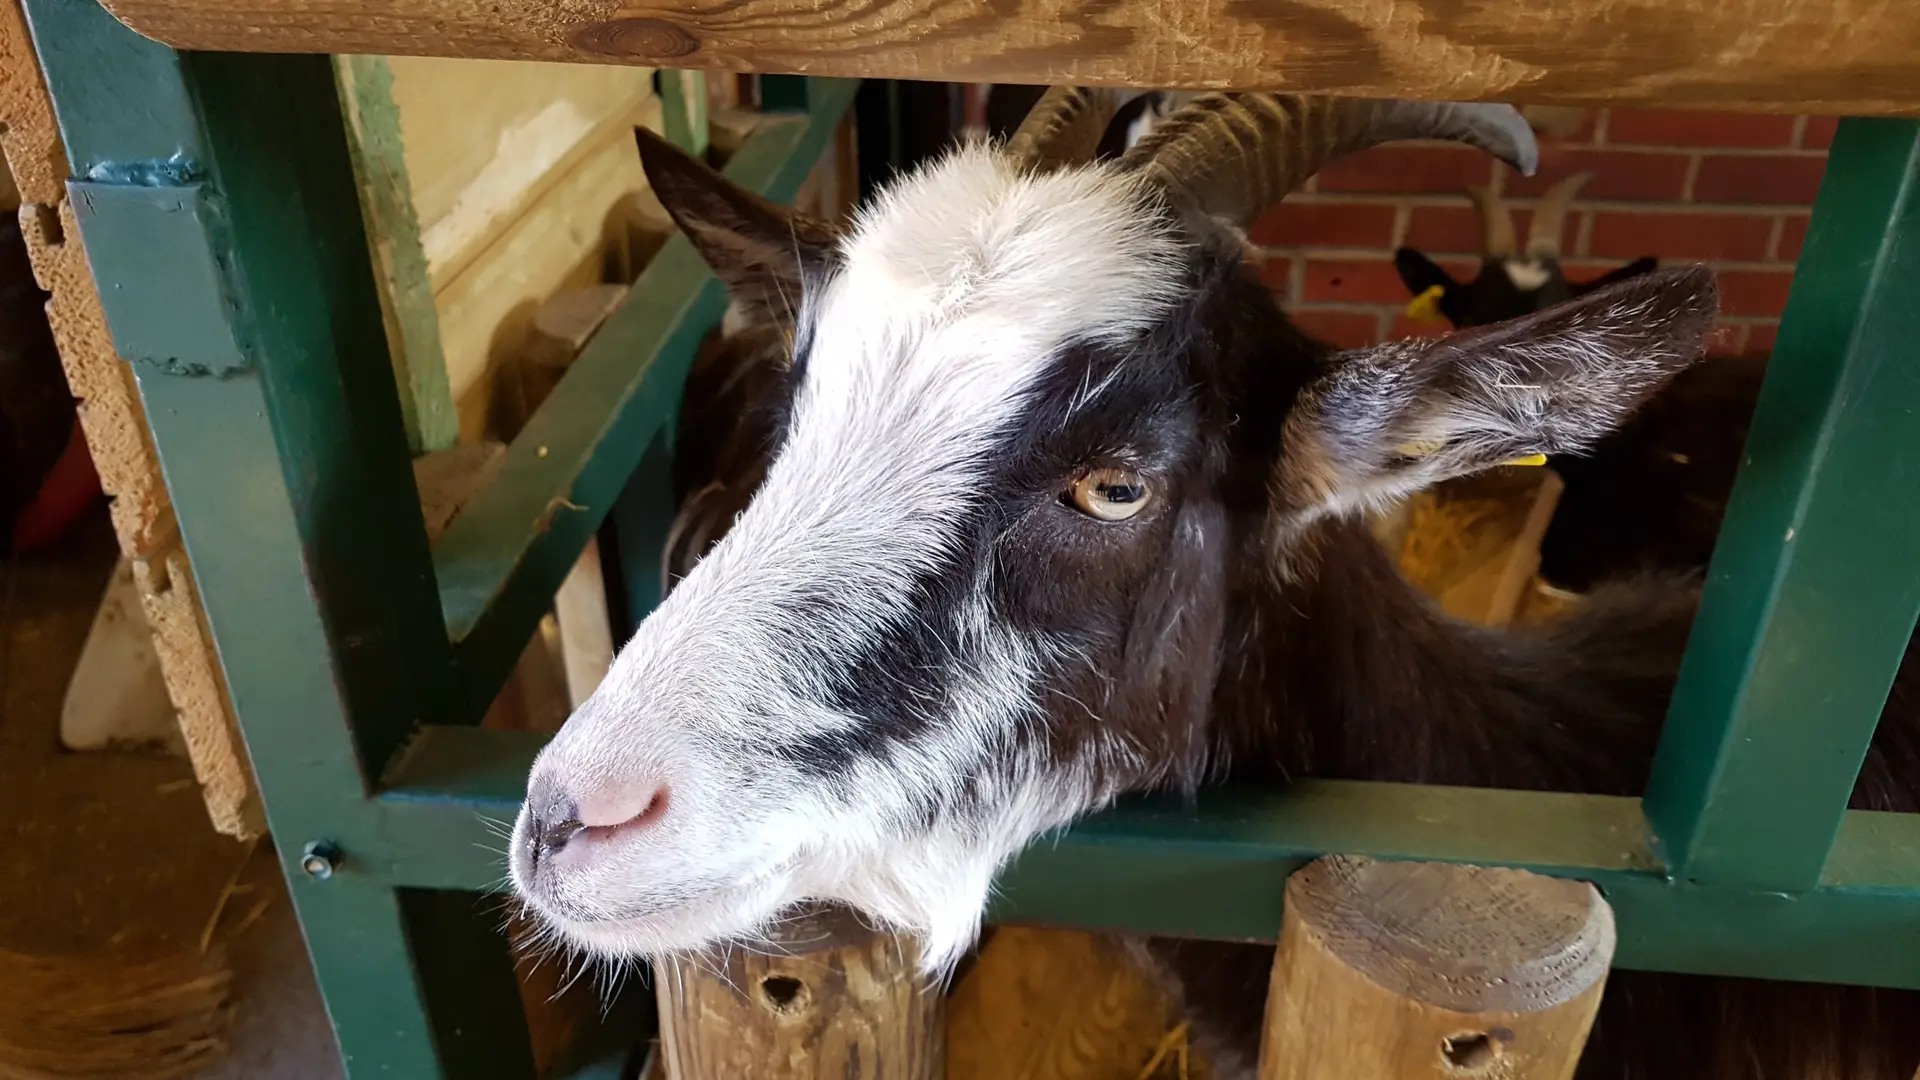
(1110, 494)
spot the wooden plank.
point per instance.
(500, 563)
(1847, 56)
(378, 149)
(486, 141)
(118, 438)
(1409, 971)
(486, 311)
(452, 156)
(684, 105)
(586, 629)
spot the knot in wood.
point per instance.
(638, 38)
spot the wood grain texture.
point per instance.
(1408, 971)
(485, 141)
(454, 158)
(828, 999)
(1852, 56)
(115, 424)
(560, 241)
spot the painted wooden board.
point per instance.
(486, 311)
(1845, 56)
(451, 156)
(486, 141)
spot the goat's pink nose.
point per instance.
(559, 819)
(627, 807)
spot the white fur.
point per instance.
(954, 294)
(1527, 273)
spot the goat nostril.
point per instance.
(554, 835)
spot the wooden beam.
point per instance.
(1409, 971)
(1827, 56)
(826, 998)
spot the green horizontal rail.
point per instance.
(501, 559)
(1219, 871)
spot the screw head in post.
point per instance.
(319, 860)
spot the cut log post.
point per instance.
(1411, 971)
(827, 999)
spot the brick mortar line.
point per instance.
(1385, 255)
(1420, 200)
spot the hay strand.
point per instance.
(151, 1016)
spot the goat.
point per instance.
(1651, 494)
(1511, 282)
(1060, 506)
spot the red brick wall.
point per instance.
(1732, 190)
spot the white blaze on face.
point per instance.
(951, 298)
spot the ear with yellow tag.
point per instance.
(1426, 306)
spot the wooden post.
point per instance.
(1398, 971)
(827, 999)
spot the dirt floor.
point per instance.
(112, 850)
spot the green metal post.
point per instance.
(217, 204)
(1814, 587)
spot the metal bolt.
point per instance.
(319, 860)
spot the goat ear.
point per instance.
(1419, 273)
(1394, 418)
(1646, 264)
(760, 250)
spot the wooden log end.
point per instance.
(1428, 970)
(1468, 939)
(824, 996)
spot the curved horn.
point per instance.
(1064, 127)
(1496, 221)
(1550, 218)
(1235, 155)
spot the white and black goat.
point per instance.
(1059, 506)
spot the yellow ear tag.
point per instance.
(1427, 446)
(1426, 306)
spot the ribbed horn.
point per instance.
(1496, 221)
(1064, 127)
(1550, 218)
(1235, 155)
